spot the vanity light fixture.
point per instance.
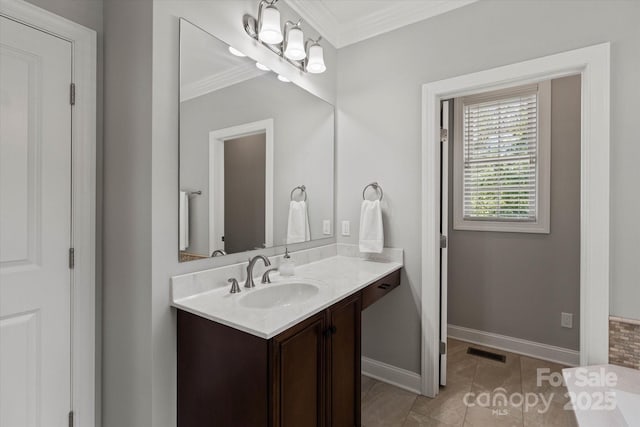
(236, 52)
(290, 45)
(269, 23)
(283, 79)
(294, 41)
(315, 63)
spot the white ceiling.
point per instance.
(344, 22)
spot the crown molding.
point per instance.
(219, 81)
(317, 15)
(395, 15)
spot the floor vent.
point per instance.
(487, 354)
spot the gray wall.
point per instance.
(379, 132)
(128, 244)
(499, 282)
(303, 149)
(89, 14)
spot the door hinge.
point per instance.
(443, 347)
(444, 135)
(72, 258)
(71, 419)
(72, 94)
(443, 241)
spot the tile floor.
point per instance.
(384, 405)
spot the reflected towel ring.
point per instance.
(378, 190)
(303, 190)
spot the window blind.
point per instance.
(500, 139)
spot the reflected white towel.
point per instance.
(184, 220)
(371, 230)
(298, 225)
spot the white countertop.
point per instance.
(336, 277)
(604, 395)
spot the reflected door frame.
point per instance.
(216, 179)
(83, 191)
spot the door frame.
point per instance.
(593, 64)
(83, 194)
(216, 174)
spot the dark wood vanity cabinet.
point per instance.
(307, 376)
(316, 369)
(343, 363)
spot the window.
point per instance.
(502, 156)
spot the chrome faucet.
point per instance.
(234, 286)
(265, 276)
(218, 252)
(252, 262)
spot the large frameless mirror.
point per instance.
(256, 154)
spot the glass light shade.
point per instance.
(236, 52)
(262, 67)
(315, 63)
(295, 45)
(283, 79)
(270, 31)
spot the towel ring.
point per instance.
(378, 190)
(303, 190)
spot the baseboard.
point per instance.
(393, 375)
(538, 350)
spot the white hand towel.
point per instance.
(184, 220)
(298, 226)
(371, 230)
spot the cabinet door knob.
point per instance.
(330, 331)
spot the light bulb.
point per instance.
(315, 64)
(262, 67)
(270, 31)
(236, 52)
(294, 45)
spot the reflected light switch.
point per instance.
(326, 227)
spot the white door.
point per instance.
(35, 227)
(444, 231)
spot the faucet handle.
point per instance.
(265, 276)
(235, 287)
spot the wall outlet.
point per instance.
(326, 227)
(566, 320)
(346, 228)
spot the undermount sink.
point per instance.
(279, 295)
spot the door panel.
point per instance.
(299, 375)
(444, 231)
(35, 227)
(244, 195)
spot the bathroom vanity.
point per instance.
(250, 359)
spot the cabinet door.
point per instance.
(298, 375)
(343, 360)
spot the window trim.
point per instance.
(543, 178)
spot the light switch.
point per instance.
(566, 320)
(326, 227)
(346, 228)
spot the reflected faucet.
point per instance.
(218, 252)
(252, 262)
